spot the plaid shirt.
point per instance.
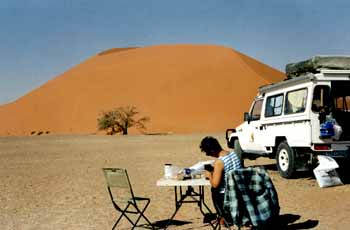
(250, 196)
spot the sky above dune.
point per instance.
(42, 39)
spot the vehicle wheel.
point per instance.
(285, 158)
(239, 151)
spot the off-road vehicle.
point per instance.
(299, 118)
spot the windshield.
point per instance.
(256, 111)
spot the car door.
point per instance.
(253, 135)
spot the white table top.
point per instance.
(189, 182)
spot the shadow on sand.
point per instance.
(343, 171)
(299, 174)
(161, 224)
(283, 222)
(286, 222)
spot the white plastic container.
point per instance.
(168, 171)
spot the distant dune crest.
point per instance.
(182, 88)
(116, 50)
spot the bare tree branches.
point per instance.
(120, 119)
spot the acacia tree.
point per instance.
(120, 120)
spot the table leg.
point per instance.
(190, 192)
(178, 204)
(203, 204)
(202, 201)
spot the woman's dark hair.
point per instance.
(210, 146)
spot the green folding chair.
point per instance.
(122, 196)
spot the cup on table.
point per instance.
(168, 171)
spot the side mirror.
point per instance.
(246, 117)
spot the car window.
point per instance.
(256, 111)
(321, 98)
(274, 105)
(342, 103)
(295, 101)
(341, 95)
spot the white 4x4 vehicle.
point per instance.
(297, 119)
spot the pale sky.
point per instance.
(41, 39)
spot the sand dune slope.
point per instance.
(182, 88)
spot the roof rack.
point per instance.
(287, 82)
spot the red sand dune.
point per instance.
(182, 88)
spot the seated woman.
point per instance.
(225, 162)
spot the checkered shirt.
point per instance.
(250, 196)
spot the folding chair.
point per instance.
(123, 198)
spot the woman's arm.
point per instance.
(216, 176)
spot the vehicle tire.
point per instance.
(285, 159)
(239, 151)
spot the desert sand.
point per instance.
(182, 88)
(56, 182)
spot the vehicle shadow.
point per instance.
(299, 174)
(268, 167)
(344, 173)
